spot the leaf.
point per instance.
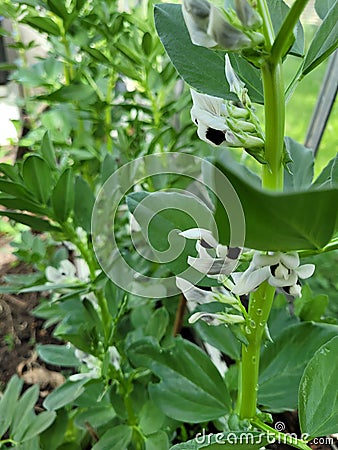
(324, 42)
(191, 389)
(15, 189)
(47, 150)
(234, 440)
(43, 24)
(318, 399)
(322, 7)
(22, 204)
(97, 415)
(10, 171)
(202, 68)
(220, 337)
(37, 177)
(157, 324)
(34, 222)
(157, 441)
(53, 436)
(63, 196)
(283, 363)
(116, 438)
(151, 418)
(72, 93)
(84, 203)
(328, 178)
(8, 403)
(309, 306)
(278, 11)
(40, 424)
(64, 394)
(23, 409)
(59, 355)
(160, 225)
(58, 8)
(304, 219)
(301, 167)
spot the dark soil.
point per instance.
(20, 331)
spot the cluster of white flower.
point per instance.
(281, 270)
(210, 26)
(227, 122)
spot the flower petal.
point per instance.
(305, 271)
(52, 274)
(205, 102)
(212, 266)
(282, 282)
(236, 85)
(250, 280)
(209, 318)
(200, 234)
(224, 33)
(290, 260)
(196, 17)
(192, 293)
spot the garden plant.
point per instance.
(172, 230)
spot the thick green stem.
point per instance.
(259, 310)
(284, 37)
(272, 178)
(274, 107)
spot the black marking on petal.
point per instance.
(233, 252)
(204, 244)
(286, 289)
(215, 136)
(273, 269)
(196, 121)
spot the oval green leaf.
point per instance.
(318, 399)
(191, 388)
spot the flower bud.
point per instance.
(226, 35)
(247, 15)
(196, 16)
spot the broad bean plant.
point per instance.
(174, 233)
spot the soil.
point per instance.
(20, 331)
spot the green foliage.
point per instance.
(191, 389)
(105, 94)
(283, 362)
(303, 219)
(325, 41)
(201, 68)
(17, 416)
(318, 392)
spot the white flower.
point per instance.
(216, 319)
(66, 273)
(247, 15)
(215, 126)
(196, 296)
(93, 365)
(279, 269)
(196, 16)
(208, 26)
(225, 34)
(214, 259)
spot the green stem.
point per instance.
(284, 36)
(274, 107)
(259, 310)
(108, 121)
(281, 437)
(272, 178)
